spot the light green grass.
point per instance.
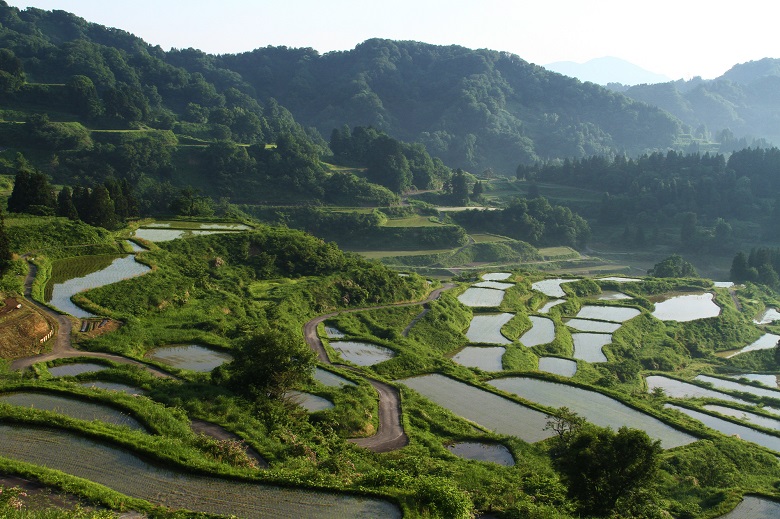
(413, 221)
(375, 254)
(488, 238)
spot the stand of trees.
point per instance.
(761, 265)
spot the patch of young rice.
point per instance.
(483, 407)
(730, 428)
(487, 328)
(72, 407)
(481, 297)
(542, 332)
(595, 407)
(617, 314)
(128, 474)
(486, 358)
(585, 325)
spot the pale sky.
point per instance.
(677, 38)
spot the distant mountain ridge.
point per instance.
(608, 69)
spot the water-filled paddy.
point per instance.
(491, 452)
(334, 333)
(770, 315)
(689, 307)
(486, 328)
(481, 297)
(753, 418)
(191, 357)
(674, 388)
(121, 268)
(162, 235)
(593, 406)
(311, 403)
(736, 386)
(549, 304)
(362, 353)
(617, 314)
(72, 407)
(483, 407)
(218, 226)
(610, 295)
(588, 346)
(486, 358)
(558, 366)
(542, 332)
(620, 279)
(497, 285)
(326, 378)
(766, 380)
(130, 475)
(551, 287)
(71, 370)
(765, 342)
(752, 507)
(585, 325)
(496, 276)
(114, 386)
(730, 428)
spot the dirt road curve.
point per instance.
(62, 347)
(390, 435)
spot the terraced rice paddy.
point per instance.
(674, 388)
(551, 287)
(542, 332)
(486, 358)
(486, 328)
(71, 370)
(192, 357)
(586, 325)
(497, 285)
(121, 268)
(752, 418)
(72, 407)
(753, 507)
(558, 366)
(326, 378)
(549, 304)
(312, 403)
(481, 297)
(615, 314)
(766, 380)
(765, 342)
(730, 428)
(769, 316)
(684, 308)
(334, 333)
(114, 386)
(490, 452)
(588, 346)
(362, 353)
(609, 295)
(215, 226)
(163, 235)
(130, 475)
(593, 406)
(729, 385)
(620, 279)
(496, 276)
(482, 407)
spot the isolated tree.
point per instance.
(673, 267)
(268, 363)
(478, 189)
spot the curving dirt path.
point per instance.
(390, 435)
(63, 347)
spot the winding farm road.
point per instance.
(390, 434)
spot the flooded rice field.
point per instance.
(729, 385)
(674, 388)
(486, 328)
(497, 285)
(486, 358)
(551, 287)
(550, 304)
(542, 332)
(496, 276)
(752, 418)
(114, 386)
(490, 452)
(588, 346)
(730, 428)
(765, 342)
(768, 380)
(362, 353)
(312, 403)
(192, 357)
(688, 307)
(753, 507)
(558, 366)
(481, 297)
(327, 378)
(77, 368)
(616, 314)
(585, 325)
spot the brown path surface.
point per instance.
(390, 435)
(62, 347)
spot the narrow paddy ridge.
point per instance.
(482, 407)
(595, 407)
(130, 475)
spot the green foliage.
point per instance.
(673, 267)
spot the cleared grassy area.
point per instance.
(376, 254)
(559, 252)
(488, 238)
(413, 221)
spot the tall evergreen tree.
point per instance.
(65, 206)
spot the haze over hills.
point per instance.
(607, 69)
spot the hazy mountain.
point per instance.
(608, 69)
(745, 102)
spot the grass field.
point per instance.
(376, 254)
(413, 221)
(559, 253)
(488, 238)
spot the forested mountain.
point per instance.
(735, 109)
(472, 108)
